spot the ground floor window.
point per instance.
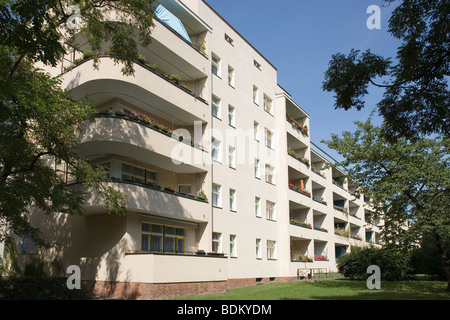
(162, 238)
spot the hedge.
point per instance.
(40, 288)
(394, 265)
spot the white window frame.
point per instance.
(271, 250)
(271, 210)
(231, 116)
(256, 130)
(233, 245)
(233, 199)
(216, 104)
(232, 157)
(258, 249)
(269, 174)
(268, 104)
(231, 76)
(216, 150)
(258, 207)
(255, 95)
(216, 62)
(269, 137)
(218, 241)
(218, 194)
(257, 168)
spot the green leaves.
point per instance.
(417, 98)
(349, 77)
(39, 122)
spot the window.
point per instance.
(257, 169)
(232, 157)
(27, 245)
(136, 174)
(231, 119)
(270, 176)
(216, 198)
(258, 207)
(162, 238)
(215, 65)
(233, 252)
(216, 107)
(216, 152)
(232, 200)
(256, 130)
(271, 249)
(255, 95)
(186, 189)
(258, 249)
(231, 76)
(229, 39)
(268, 104)
(217, 242)
(257, 64)
(270, 211)
(269, 138)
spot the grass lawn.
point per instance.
(339, 289)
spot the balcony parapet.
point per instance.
(148, 123)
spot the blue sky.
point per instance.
(299, 37)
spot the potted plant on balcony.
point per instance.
(168, 189)
(202, 196)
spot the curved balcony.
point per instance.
(121, 136)
(147, 89)
(146, 199)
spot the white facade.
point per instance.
(272, 208)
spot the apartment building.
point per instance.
(224, 186)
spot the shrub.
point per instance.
(41, 288)
(394, 265)
(87, 54)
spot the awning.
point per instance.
(165, 221)
(172, 21)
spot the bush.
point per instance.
(394, 265)
(41, 288)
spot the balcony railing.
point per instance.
(295, 222)
(147, 122)
(303, 129)
(299, 190)
(199, 197)
(171, 79)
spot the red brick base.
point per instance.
(151, 291)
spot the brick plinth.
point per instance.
(154, 291)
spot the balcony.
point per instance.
(129, 138)
(151, 199)
(145, 267)
(148, 89)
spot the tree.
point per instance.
(409, 183)
(417, 98)
(39, 121)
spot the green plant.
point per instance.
(175, 78)
(151, 66)
(87, 54)
(201, 195)
(394, 265)
(141, 59)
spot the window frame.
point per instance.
(233, 199)
(271, 210)
(218, 195)
(218, 242)
(271, 250)
(216, 62)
